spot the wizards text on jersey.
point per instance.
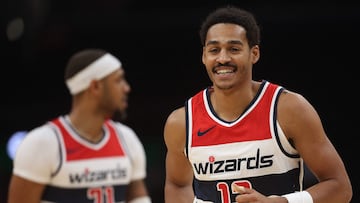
(253, 162)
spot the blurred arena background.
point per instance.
(310, 47)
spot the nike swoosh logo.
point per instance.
(201, 133)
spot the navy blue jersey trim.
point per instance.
(53, 126)
(275, 126)
(187, 135)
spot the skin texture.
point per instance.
(96, 104)
(227, 44)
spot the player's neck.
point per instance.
(90, 128)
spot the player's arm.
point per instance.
(179, 174)
(303, 127)
(22, 190)
(35, 159)
(137, 192)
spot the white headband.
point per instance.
(95, 71)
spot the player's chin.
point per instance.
(122, 107)
(123, 104)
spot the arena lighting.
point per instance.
(14, 142)
(15, 29)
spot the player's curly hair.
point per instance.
(234, 15)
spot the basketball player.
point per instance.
(84, 156)
(247, 141)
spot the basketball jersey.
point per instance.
(251, 151)
(87, 172)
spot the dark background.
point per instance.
(309, 47)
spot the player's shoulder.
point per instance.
(123, 128)
(175, 125)
(177, 115)
(43, 134)
(287, 96)
(292, 99)
(127, 134)
(42, 130)
(293, 105)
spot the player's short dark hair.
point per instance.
(233, 15)
(81, 60)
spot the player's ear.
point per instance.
(203, 55)
(95, 86)
(255, 53)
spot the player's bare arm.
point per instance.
(179, 175)
(25, 190)
(303, 127)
